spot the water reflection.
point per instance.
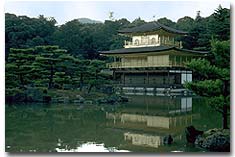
(154, 121)
(143, 139)
(90, 147)
(141, 125)
(171, 115)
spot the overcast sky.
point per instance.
(64, 11)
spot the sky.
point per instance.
(64, 11)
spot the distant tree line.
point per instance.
(86, 40)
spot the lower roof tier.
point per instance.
(146, 50)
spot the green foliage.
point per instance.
(61, 78)
(49, 67)
(13, 91)
(208, 71)
(47, 64)
(19, 67)
(185, 23)
(215, 78)
(202, 29)
(217, 102)
(220, 24)
(166, 22)
(86, 40)
(79, 64)
(137, 22)
(25, 32)
(221, 53)
(206, 88)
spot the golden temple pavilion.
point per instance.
(153, 58)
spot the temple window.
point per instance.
(153, 41)
(136, 42)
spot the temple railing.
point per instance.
(143, 65)
(130, 44)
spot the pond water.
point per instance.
(137, 126)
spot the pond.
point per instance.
(137, 126)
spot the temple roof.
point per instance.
(149, 49)
(151, 26)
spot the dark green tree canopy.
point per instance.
(86, 40)
(167, 22)
(25, 32)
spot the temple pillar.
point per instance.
(168, 77)
(114, 75)
(123, 76)
(147, 78)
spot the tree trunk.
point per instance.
(51, 77)
(96, 75)
(225, 117)
(226, 93)
(89, 90)
(21, 80)
(81, 81)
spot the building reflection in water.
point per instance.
(152, 121)
(143, 139)
(164, 115)
(186, 105)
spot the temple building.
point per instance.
(153, 58)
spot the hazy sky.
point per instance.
(64, 11)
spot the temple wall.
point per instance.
(145, 39)
(160, 78)
(162, 60)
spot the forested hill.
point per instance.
(87, 20)
(85, 39)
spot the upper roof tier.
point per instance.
(150, 27)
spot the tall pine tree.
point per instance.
(215, 78)
(46, 64)
(19, 68)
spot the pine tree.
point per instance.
(82, 72)
(215, 78)
(19, 67)
(61, 78)
(221, 24)
(67, 71)
(95, 77)
(46, 64)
